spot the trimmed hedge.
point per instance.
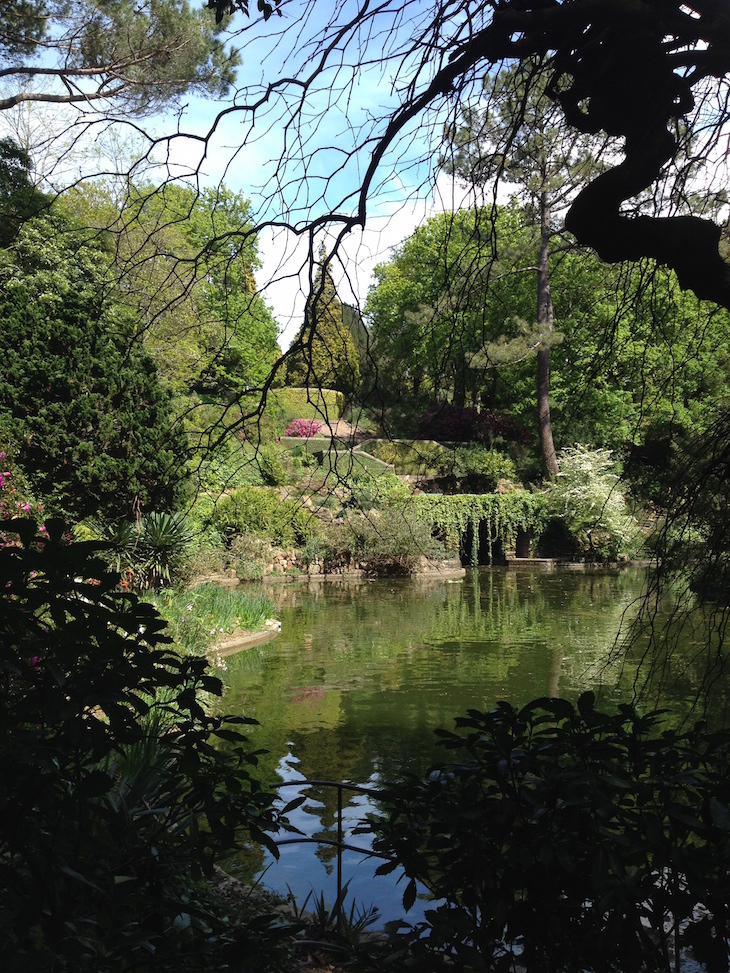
(307, 403)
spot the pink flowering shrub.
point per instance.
(12, 505)
(306, 428)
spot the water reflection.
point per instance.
(363, 672)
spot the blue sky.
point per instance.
(326, 140)
(326, 144)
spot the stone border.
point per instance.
(243, 640)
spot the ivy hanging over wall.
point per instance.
(504, 514)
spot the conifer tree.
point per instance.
(138, 56)
(324, 353)
(523, 139)
(80, 399)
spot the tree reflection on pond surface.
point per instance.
(364, 671)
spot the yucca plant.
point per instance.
(146, 552)
(163, 539)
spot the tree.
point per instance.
(136, 55)
(19, 200)
(648, 75)
(23, 27)
(448, 317)
(427, 325)
(324, 355)
(522, 138)
(91, 423)
(638, 366)
(187, 260)
(403, 75)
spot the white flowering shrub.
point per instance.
(588, 498)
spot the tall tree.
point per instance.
(323, 354)
(522, 138)
(186, 261)
(136, 54)
(19, 199)
(428, 313)
(23, 26)
(645, 74)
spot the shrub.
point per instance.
(114, 798)
(148, 554)
(484, 467)
(451, 424)
(247, 555)
(419, 458)
(392, 542)
(566, 839)
(269, 460)
(375, 489)
(14, 495)
(232, 464)
(589, 500)
(306, 428)
(258, 510)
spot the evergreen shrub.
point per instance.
(263, 511)
(486, 467)
(302, 403)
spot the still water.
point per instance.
(362, 673)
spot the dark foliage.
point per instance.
(91, 423)
(229, 7)
(568, 839)
(114, 797)
(19, 199)
(453, 424)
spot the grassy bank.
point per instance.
(199, 617)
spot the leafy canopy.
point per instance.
(137, 55)
(189, 258)
(117, 795)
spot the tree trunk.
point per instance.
(459, 395)
(545, 324)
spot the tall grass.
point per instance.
(202, 616)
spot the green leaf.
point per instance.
(409, 895)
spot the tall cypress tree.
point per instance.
(324, 353)
(79, 397)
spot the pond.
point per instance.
(362, 673)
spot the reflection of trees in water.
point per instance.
(359, 678)
(676, 653)
(362, 674)
(328, 755)
(514, 606)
